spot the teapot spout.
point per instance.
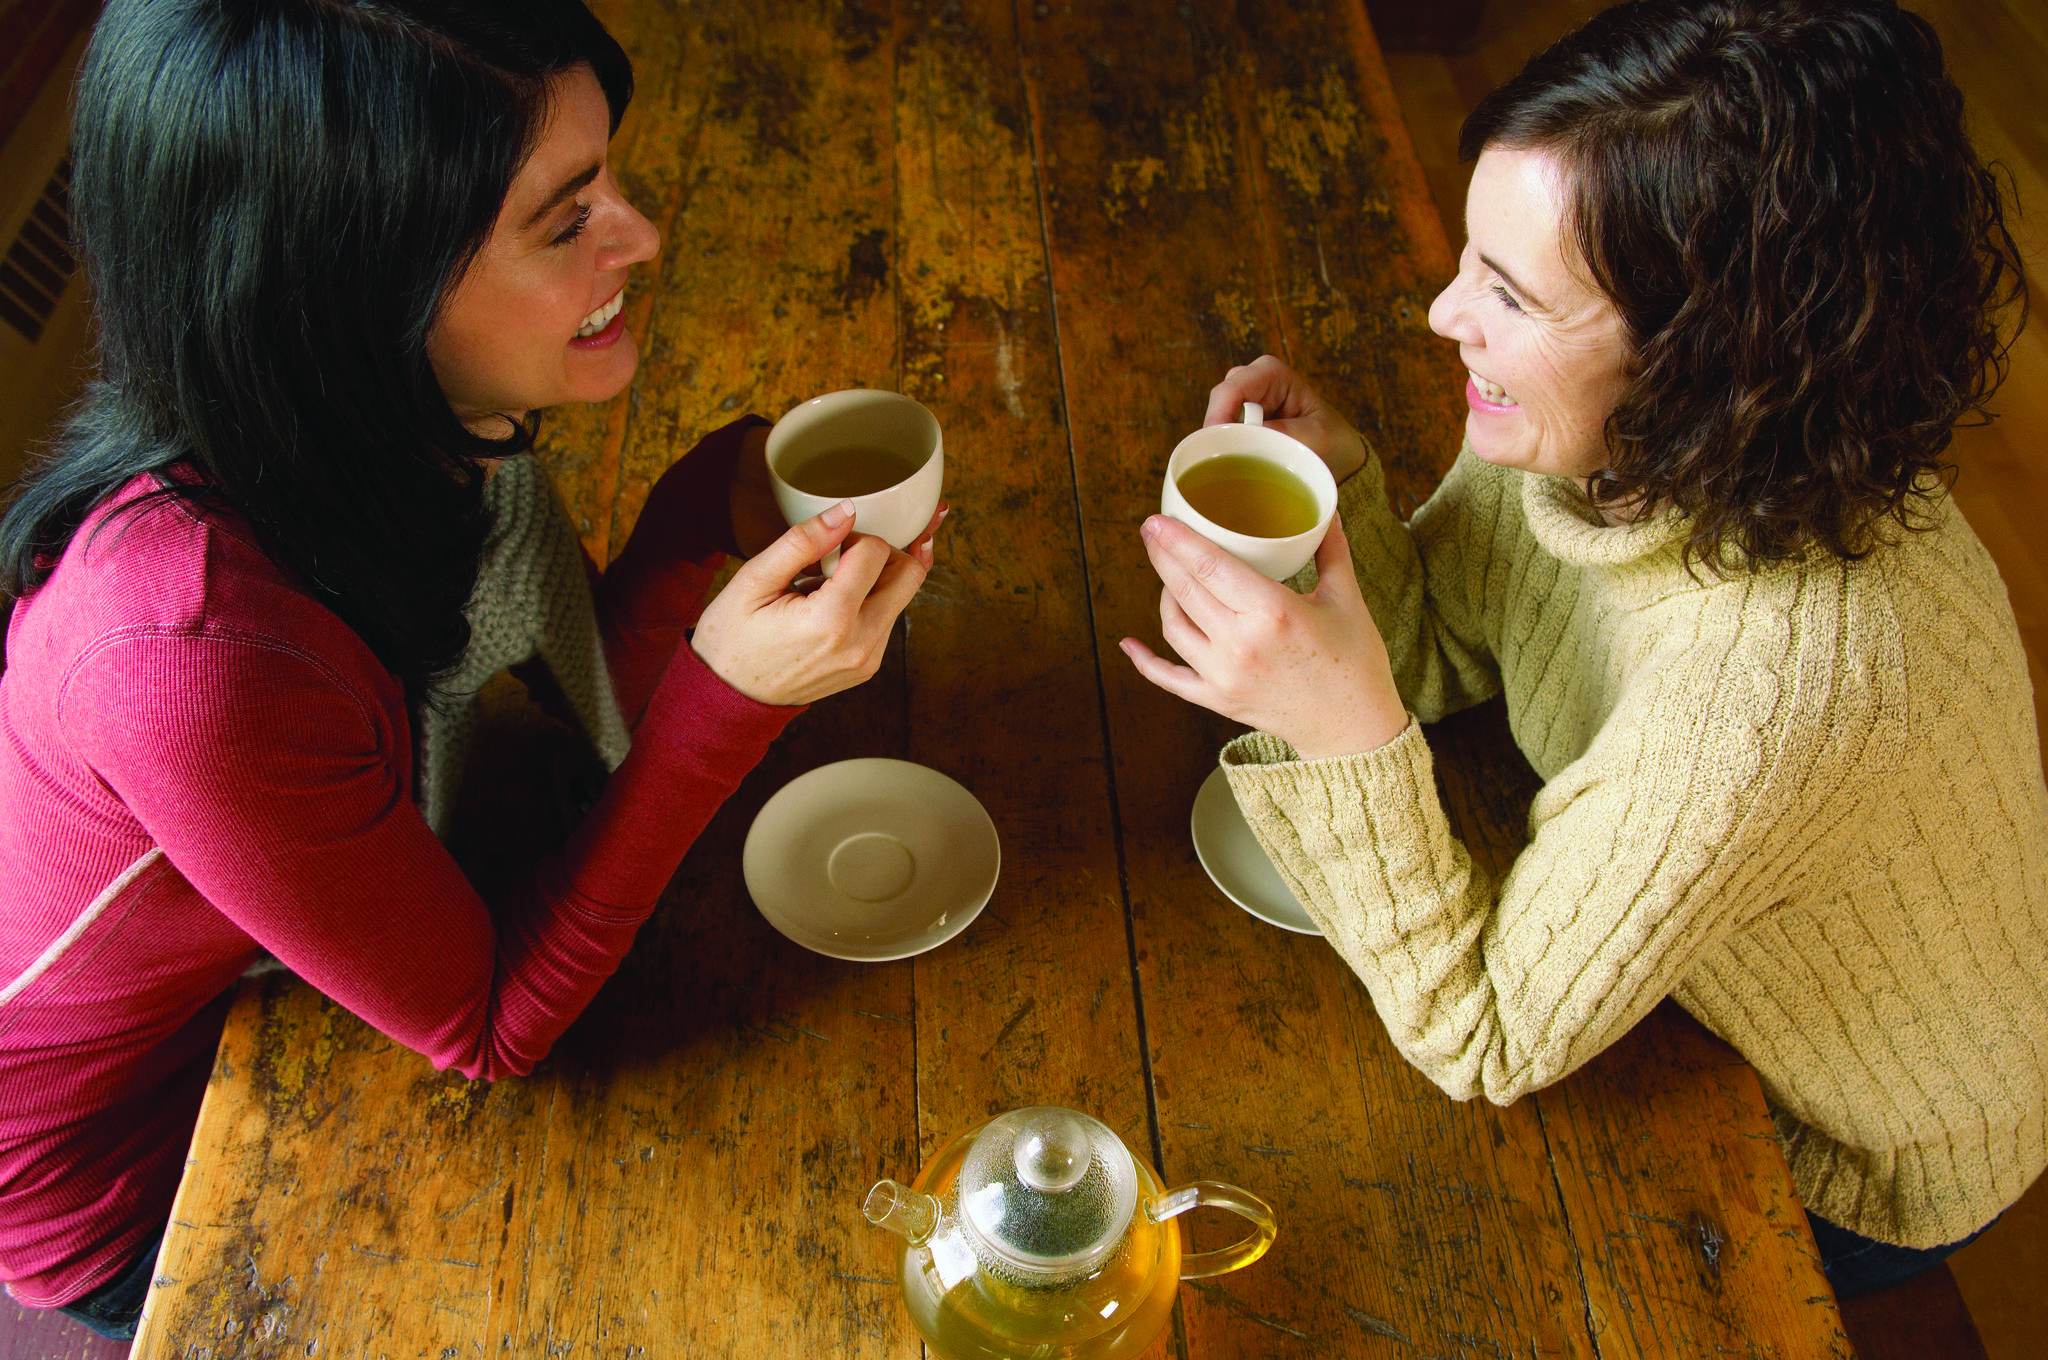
(902, 1210)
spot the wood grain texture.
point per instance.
(1056, 226)
(1035, 1004)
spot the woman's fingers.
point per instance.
(1208, 581)
(894, 588)
(1335, 571)
(921, 546)
(861, 560)
(1265, 380)
(778, 645)
(1175, 680)
(770, 572)
(1182, 633)
(1292, 407)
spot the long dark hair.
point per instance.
(1809, 259)
(272, 199)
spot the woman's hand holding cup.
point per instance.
(777, 644)
(1292, 407)
(779, 635)
(1311, 669)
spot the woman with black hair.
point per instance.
(1733, 276)
(339, 252)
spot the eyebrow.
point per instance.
(1494, 265)
(567, 188)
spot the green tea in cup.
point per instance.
(1250, 495)
(880, 450)
(1262, 496)
(851, 470)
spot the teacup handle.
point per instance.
(1217, 1195)
(1254, 414)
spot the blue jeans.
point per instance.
(115, 1307)
(1856, 1265)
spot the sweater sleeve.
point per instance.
(1423, 581)
(1644, 853)
(268, 777)
(655, 588)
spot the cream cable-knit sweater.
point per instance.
(1806, 803)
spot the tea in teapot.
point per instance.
(1037, 1234)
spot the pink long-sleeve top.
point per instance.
(197, 760)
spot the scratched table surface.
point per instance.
(1055, 224)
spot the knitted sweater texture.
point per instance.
(1806, 803)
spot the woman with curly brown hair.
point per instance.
(1733, 275)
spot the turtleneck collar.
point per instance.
(1571, 530)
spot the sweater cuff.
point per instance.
(713, 725)
(1340, 805)
(1361, 839)
(1263, 748)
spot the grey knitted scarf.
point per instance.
(532, 599)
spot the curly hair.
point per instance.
(1809, 260)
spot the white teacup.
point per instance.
(1278, 558)
(861, 418)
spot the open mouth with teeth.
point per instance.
(1491, 393)
(602, 317)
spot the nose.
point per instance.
(1451, 317)
(632, 238)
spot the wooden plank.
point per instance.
(1035, 1004)
(767, 151)
(1693, 1240)
(790, 1094)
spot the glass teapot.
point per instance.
(1037, 1234)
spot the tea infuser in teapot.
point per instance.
(1037, 1234)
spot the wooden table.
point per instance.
(1055, 224)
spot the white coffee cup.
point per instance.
(862, 417)
(1278, 558)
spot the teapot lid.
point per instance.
(1048, 1191)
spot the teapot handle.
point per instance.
(1217, 1195)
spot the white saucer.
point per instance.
(1238, 863)
(871, 859)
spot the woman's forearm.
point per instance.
(655, 588)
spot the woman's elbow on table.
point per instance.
(1471, 1047)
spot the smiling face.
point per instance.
(536, 321)
(1544, 346)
